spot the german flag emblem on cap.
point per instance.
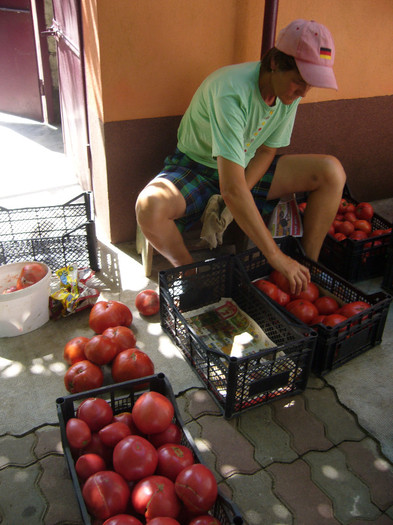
(325, 52)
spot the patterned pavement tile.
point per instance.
(17, 450)
(55, 482)
(270, 440)
(21, 503)
(350, 496)
(339, 423)
(373, 469)
(257, 502)
(48, 441)
(199, 402)
(382, 520)
(291, 483)
(307, 433)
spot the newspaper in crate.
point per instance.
(224, 326)
(285, 219)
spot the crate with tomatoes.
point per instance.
(236, 381)
(357, 242)
(347, 320)
(132, 460)
(387, 282)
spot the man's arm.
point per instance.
(258, 165)
(235, 184)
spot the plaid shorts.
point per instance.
(197, 183)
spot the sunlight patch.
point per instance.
(381, 464)
(10, 368)
(330, 472)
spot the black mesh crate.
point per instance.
(56, 235)
(387, 283)
(122, 397)
(235, 383)
(357, 260)
(335, 346)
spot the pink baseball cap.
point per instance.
(312, 47)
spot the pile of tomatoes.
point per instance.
(132, 467)
(310, 306)
(354, 221)
(113, 344)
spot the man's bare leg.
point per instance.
(157, 207)
(324, 177)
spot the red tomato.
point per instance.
(96, 446)
(96, 412)
(78, 433)
(350, 216)
(107, 314)
(74, 350)
(377, 233)
(364, 210)
(326, 305)
(363, 225)
(82, 376)
(302, 206)
(283, 298)
(131, 364)
(267, 287)
(339, 236)
(100, 349)
(88, 464)
(126, 417)
(172, 434)
(342, 208)
(351, 309)
(152, 412)
(30, 274)
(280, 280)
(196, 486)
(122, 335)
(155, 496)
(318, 319)
(172, 459)
(333, 319)
(147, 302)
(345, 227)
(204, 520)
(358, 235)
(304, 310)
(106, 493)
(111, 434)
(332, 229)
(123, 519)
(311, 293)
(135, 458)
(163, 521)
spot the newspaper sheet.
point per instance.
(224, 326)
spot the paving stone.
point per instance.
(339, 423)
(373, 469)
(57, 487)
(291, 483)
(48, 441)
(307, 433)
(350, 496)
(200, 402)
(256, 500)
(271, 442)
(315, 382)
(17, 450)
(381, 520)
(207, 455)
(235, 455)
(21, 502)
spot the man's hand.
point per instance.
(297, 274)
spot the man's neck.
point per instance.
(266, 88)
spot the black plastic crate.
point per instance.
(56, 235)
(235, 383)
(122, 397)
(335, 346)
(387, 283)
(357, 260)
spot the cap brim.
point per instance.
(317, 76)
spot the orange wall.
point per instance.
(152, 54)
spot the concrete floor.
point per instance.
(357, 396)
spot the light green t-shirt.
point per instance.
(227, 117)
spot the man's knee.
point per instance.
(333, 172)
